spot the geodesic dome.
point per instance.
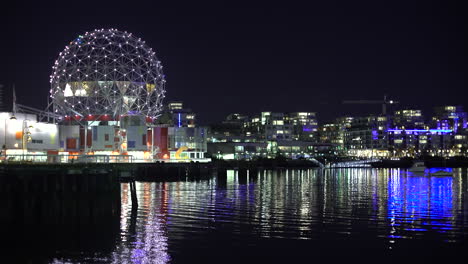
(107, 72)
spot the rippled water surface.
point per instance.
(350, 215)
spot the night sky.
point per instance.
(244, 57)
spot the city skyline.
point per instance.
(264, 57)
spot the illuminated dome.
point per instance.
(107, 72)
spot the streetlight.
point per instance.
(152, 142)
(26, 136)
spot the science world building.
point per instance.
(106, 94)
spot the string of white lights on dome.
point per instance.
(107, 72)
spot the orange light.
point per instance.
(165, 156)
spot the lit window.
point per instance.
(278, 122)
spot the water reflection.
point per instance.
(303, 211)
(419, 203)
(143, 230)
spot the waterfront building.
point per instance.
(100, 111)
(266, 135)
(304, 125)
(187, 143)
(367, 136)
(238, 150)
(443, 136)
(107, 101)
(266, 149)
(334, 133)
(22, 136)
(233, 129)
(269, 126)
(408, 119)
(107, 87)
(414, 142)
(450, 117)
(234, 125)
(283, 126)
(276, 126)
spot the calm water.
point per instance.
(363, 215)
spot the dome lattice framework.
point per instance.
(107, 72)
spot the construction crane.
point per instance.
(384, 103)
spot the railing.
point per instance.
(56, 159)
(354, 164)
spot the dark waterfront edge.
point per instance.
(141, 171)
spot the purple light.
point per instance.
(432, 131)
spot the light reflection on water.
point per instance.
(378, 208)
(143, 230)
(419, 203)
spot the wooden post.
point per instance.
(133, 194)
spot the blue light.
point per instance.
(79, 39)
(434, 170)
(179, 121)
(415, 203)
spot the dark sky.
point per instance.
(244, 57)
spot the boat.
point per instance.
(418, 166)
(441, 173)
